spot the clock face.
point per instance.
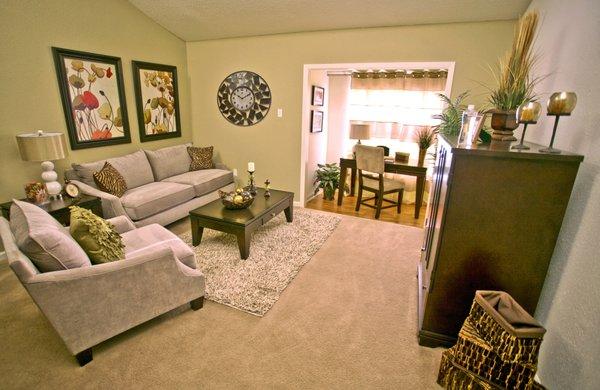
(72, 190)
(244, 98)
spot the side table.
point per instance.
(59, 208)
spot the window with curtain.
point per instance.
(408, 98)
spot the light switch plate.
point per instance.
(279, 112)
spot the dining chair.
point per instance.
(386, 150)
(371, 166)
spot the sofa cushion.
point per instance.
(44, 240)
(202, 158)
(204, 181)
(85, 172)
(143, 238)
(170, 161)
(152, 198)
(96, 236)
(134, 167)
(108, 179)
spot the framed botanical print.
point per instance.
(316, 121)
(93, 98)
(157, 99)
(318, 95)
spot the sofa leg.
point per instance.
(197, 303)
(84, 357)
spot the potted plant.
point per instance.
(514, 83)
(451, 115)
(327, 178)
(425, 138)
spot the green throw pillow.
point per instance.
(96, 236)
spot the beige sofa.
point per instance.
(161, 188)
(87, 304)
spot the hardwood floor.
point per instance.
(406, 217)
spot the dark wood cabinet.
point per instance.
(493, 218)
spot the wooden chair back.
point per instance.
(370, 159)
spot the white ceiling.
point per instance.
(194, 20)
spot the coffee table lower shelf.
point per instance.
(241, 223)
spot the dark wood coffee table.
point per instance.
(241, 222)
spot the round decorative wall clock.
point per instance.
(244, 98)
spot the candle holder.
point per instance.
(251, 187)
(528, 114)
(267, 188)
(559, 104)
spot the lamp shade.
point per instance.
(360, 131)
(42, 146)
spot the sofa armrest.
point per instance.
(122, 223)
(111, 205)
(91, 304)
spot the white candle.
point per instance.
(250, 167)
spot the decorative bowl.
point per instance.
(236, 200)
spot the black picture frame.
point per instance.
(316, 121)
(318, 96)
(142, 102)
(81, 134)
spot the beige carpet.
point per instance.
(277, 253)
(348, 320)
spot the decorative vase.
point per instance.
(422, 154)
(503, 124)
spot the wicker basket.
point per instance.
(515, 340)
(477, 356)
(454, 377)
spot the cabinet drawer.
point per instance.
(269, 215)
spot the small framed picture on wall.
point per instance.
(318, 95)
(316, 121)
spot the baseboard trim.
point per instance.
(434, 340)
(298, 203)
(311, 197)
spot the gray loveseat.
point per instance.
(160, 187)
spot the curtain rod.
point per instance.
(413, 73)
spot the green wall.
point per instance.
(30, 98)
(274, 143)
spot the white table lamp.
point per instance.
(44, 147)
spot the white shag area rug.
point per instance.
(278, 251)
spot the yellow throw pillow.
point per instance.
(96, 236)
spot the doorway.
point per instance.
(326, 122)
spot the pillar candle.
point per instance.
(250, 167)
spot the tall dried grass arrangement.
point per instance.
(425, 137)
(515, 84)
